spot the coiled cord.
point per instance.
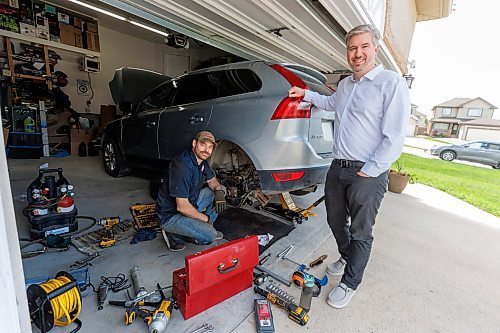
(65, 304)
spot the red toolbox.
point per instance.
(214, 275)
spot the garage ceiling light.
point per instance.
(147, 27)
(100, 10)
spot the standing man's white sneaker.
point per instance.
(336, 268)
(340, 296)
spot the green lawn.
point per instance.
(478, 186)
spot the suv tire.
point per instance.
(113, 161)
(448, 155)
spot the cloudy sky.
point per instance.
(458, 56)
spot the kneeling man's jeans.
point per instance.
(200, 232)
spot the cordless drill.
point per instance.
(108, 223)
(160, 317)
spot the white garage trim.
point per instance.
(481, 133)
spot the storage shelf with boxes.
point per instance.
(40, 26)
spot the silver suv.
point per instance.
(266, 140)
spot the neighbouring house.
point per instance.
(465, 118)
(417, 124)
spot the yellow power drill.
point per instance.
(108, 223)
(160, 317)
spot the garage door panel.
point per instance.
(482, 134)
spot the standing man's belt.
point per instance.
(348, 163)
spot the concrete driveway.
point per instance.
(435, 263)
(434, 268)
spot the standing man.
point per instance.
(372, 107)
(184, 207)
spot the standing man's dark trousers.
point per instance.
(348, 195)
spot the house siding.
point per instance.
(439, 112)
(478, 104)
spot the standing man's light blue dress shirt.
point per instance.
(371, 117)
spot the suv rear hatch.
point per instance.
(320, 133)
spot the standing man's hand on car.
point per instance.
(220, 201)
(296, 92)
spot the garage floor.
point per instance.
(433, 268)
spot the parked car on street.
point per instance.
(485, 152)
(266, 140)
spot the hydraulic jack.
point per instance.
(288, 210)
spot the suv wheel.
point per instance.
(113, 161)
(497, 166)
(448, 155)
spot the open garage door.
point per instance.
(482, 134)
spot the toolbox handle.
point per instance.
(221, 269)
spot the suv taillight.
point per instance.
(290, 76)
(290, 108)
(287, 176)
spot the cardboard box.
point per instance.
(91, 27)
(9, 18)
(42, 33)
(5, 135)
(79, 135)
(108, 113)
(74, 148)
(91, 41)
(27, 29)
(78, 38)
(41, 22)
(26, 14)
(67, 34)
(77, 22)
(63, 17)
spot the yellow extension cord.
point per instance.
(64, 304)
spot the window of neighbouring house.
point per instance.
(446, 111)
(441, 126)
(474, 112)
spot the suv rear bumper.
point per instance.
(312, 176)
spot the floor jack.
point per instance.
(289, 211)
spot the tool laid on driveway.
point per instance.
(205, 328)
(295, 313)
(263, 316)
(51, 209)
(108, 223)
(160, 317)
(285, 251)
(274, 275)
(288, 210)
(84, 262)
(47, 309)
(284, 255)
(318, 261)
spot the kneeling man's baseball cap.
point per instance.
(205, 136)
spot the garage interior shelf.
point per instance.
(49, 43)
